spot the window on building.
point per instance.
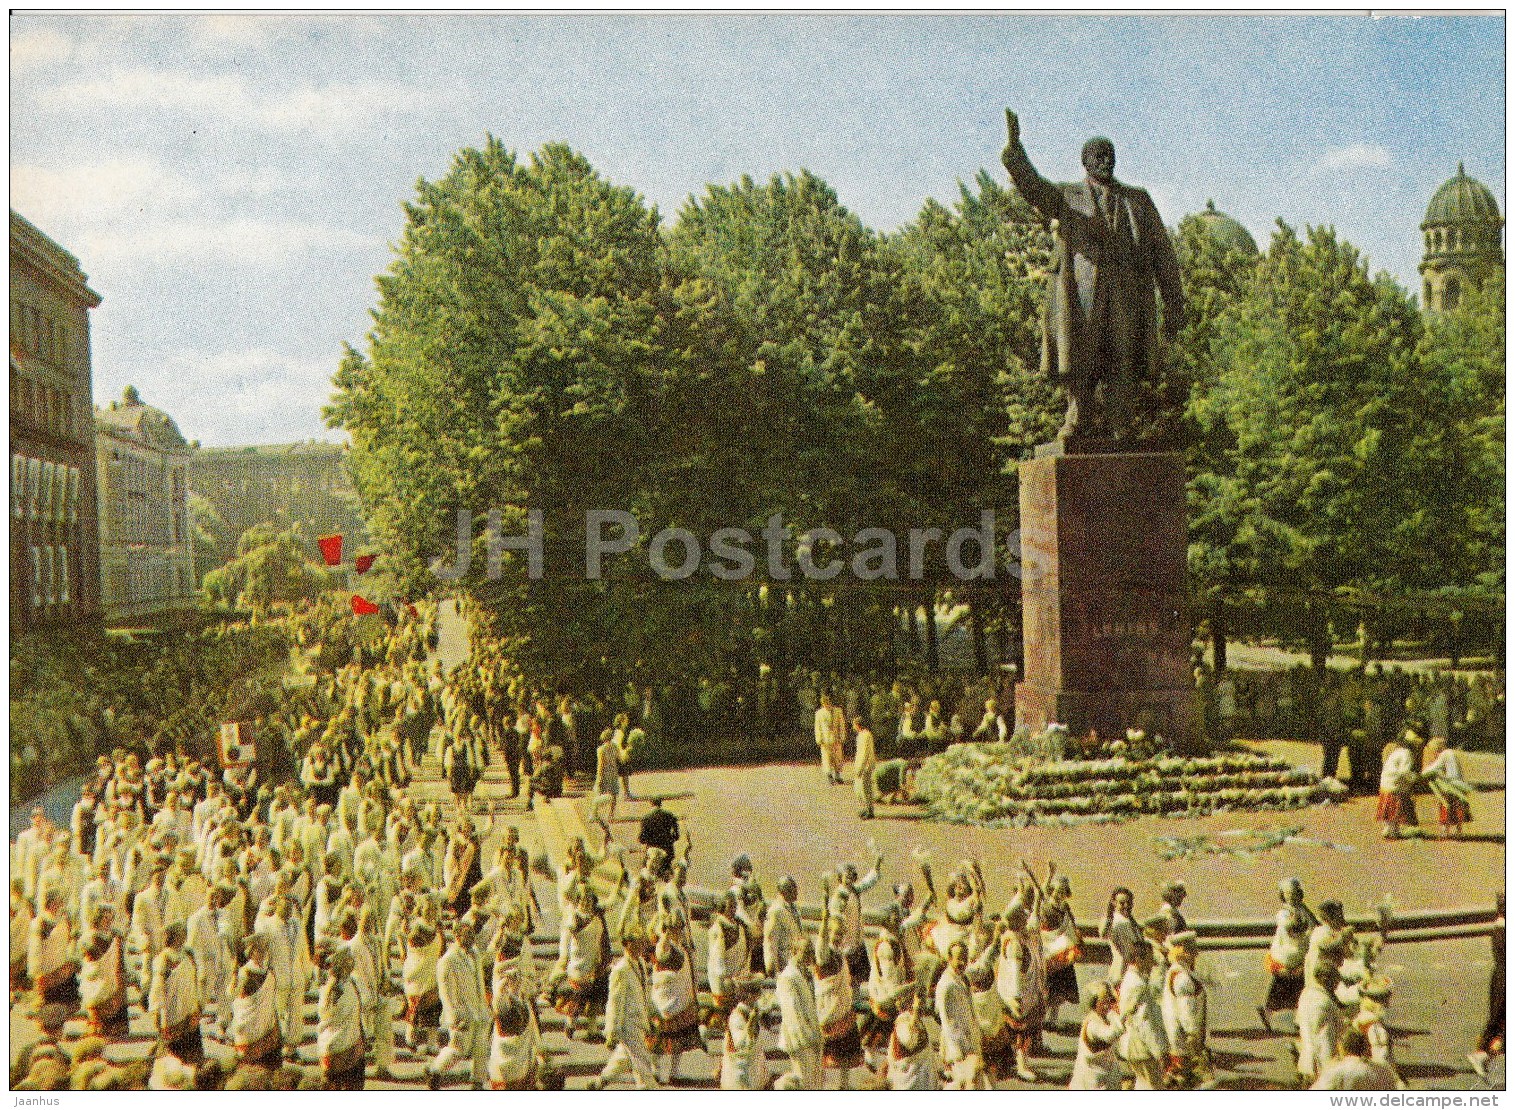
(1451, 293)
(33, 481)
(18, 484)
(73, 495)
(50, 574)
(45, 497)
(36, 568)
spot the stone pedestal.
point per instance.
(1104, 553)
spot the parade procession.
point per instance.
(575, 625)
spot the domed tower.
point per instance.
(1226, 232)
(1462, 237)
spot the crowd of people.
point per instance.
(231, 911)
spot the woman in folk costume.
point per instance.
(841, 1047)
(1144, 1043)
(339, 1027)
(329, 893)
(460, 870)
(913, 1064)
(173, 998)
(962, 910)
(22, 914)
(1396, 786)
(997, 1036)
(1319, 1021)
(515, 1042)
(254, 1011)
(744, 1062)
(891, 983)
(509, 881)
(1062, 946)
(515, 967)
(673, 1005)
(751, 908)
(1185, 1016)
(582, 975)
(102, 976)
(1442, 770)
(1120, 929)
(370, 975)
(50, 961)
(1018, 978)
(727, 960)
(1372, 1020)
(423, 1004)
(1286, 955)
(1097, 1066)
(318, 774)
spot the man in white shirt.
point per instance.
(962, 1040)
(627, 1020)
(800, 1022)
(465, 1014)
(830, 735)
(781, 929)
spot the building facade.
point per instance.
(147, 568)
(282, 484)
(54, 556)
(1463, 244)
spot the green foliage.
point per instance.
(212, 537)
(271, 568)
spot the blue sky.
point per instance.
(231, 183)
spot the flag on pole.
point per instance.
(331, 550)
(361, 606)
(362, 563)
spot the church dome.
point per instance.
(1227, 232)
(1462, 200)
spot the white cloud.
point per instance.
(1354, 157)
(43, 47)
(334, 107)
(109, 189)
(246, 242)
(257, 395)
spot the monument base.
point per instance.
(1167, 713)
(1104, 591)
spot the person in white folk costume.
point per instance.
(841, 1046)
(370, 975)
(465, 1014)
(799, 1022)
(1355, 1069)
(423, 1005)
(50, 956)
(173, 999)
(22, 915)
(627, 1020)
(290, 963)
(782, 930)
(727, 958)
(1096, 1066)
(515, 1061)
(102, 975)
(1019, 979)
(1186, 1015)
(339, 1026)
(153, 909)
(255, 1031)
(830, 736)
(961, 1041)
(913, 1063)
(1372, 1020)
(744, 1063)
(1319, 1021)
(674, 1010)
(1143, 1044)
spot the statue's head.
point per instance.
(1099, 159)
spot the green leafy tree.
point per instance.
(271, 567)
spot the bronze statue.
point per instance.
(1113, 259)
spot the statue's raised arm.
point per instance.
(1041, 194)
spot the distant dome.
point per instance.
(1462, 200)
(1229, 234)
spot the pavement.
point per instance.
(790, 821)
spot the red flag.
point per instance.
(362, 563)
(413, 610)
(331, 550)
(362, 606)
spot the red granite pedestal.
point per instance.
(1104, 555)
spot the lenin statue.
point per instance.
(1114, 259)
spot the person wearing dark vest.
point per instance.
(660, 829)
